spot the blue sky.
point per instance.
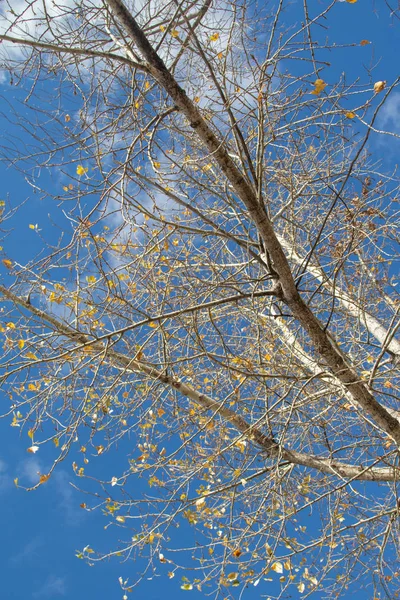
(42, 530)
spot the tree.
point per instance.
(221, 292)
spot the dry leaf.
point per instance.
(379, 86)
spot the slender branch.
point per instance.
(336, 361)
(268, 445)
(55, 48)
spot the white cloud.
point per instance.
(29, 551)
(389, 115)
(5, 478)
(53, 586)
(29, 470)
(68, 500)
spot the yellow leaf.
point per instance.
(236, 553)
(10, 325)
(147, 85)
(301, 587)
(65, 188)
(162, 27)
(21, 344)
(197, 100)
(153, 325)
(277, 567)
(44, 478)
(30, 434)
(91, 279)
(387, 384)
(100, 449)
(378, 87)
(120, 519)
(220, 55)
(81, 170)
(187, 586)
(174, 33)
(350, 115)
(157, 164)
(16, 482)
(31, 355)
(232, 576)
(160, 412)
(364, 43)
(267, 357)
(319, 86)
(31, 226)
(56, 442)
(67, 118)
(7, 263)
(351, 1)
(32, 387)
(214, 37)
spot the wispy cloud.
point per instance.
(5, 479)
(68, 500)
(53, 586)
(30, 470)
(29, 551)
(389, 114)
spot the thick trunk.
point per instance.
(332, 357)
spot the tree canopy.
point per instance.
(214, 297)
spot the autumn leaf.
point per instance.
(319, 86)
(236, 553)
(31, 355)
(21, 344)
(7, 263)
(277, 567)
(187, 586)
(81, 170)
(33, 449)
(379, 86)
(16, 482)
(44, 478)
(364, 43)
(214, 37)
(350, 115)
(174, 33)
(67, 118)
(120, 519)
